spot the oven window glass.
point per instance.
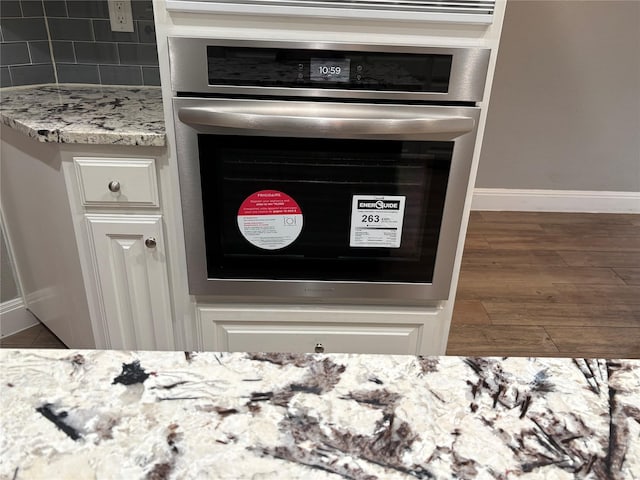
(319, 180)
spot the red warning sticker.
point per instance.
(270, 219)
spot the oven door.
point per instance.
(318, 199)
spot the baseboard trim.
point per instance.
(14, 317)
(578, 201)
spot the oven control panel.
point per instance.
(269, 68)
(354, 70)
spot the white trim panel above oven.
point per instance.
(461, 11)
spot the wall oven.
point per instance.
(323, 171)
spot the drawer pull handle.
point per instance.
(151, 242)
(319, 348)
(114, 186)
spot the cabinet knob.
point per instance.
(319, 348)
(150, 242)
(114, 186)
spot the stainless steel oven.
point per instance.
(329, 171)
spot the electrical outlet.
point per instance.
(120, 15)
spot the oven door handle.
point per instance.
(301, 120)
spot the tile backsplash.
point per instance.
(72, 41)
(25, 56)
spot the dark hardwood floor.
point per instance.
(549, 284)
(34, 337)
(532, 284)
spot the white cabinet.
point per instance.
(130, 262)
(268, 328)
(120, 232)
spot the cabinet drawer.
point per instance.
(307, 338)
(127, 182)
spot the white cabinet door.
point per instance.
(305, 331)
(130, 262)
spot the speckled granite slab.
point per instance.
(86, 114)
(135, 415)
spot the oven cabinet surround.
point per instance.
(269, 328)
(91, 253)
(287, 324)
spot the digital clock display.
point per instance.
(330, 69)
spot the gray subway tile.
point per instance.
(96, 52)
(120, 75)
(40, 52)
(16, 53)
(88, 9)
(137, 54)
(16, 29)
(146, 32)
(5, 78)
(32, 8)
(63, 52)
(103, 33)
(142, 9)
(56, 8)
(151, 76)
(73, 73)
(10, 9)
(32, 74)
(71, 29)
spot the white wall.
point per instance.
(8, 286)
(565, 105)
(13, 315)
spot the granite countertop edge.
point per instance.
(316, 416)
(86, 114)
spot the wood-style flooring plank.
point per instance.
(469, 312)
(558, 243)
(495, 291)
(476, 241)
(37, 336)
(500, 341)
(631, 276)
(590, 230)
(538, 275)
(475, 216)
(597, 341)
(562, 314)
(599, 294)
(612, 258)
(558, 218)
(509, 258)
(24, 337)
(502, 228)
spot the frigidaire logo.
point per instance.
(379, 205)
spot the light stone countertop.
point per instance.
(176, 415)
(86, 114)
